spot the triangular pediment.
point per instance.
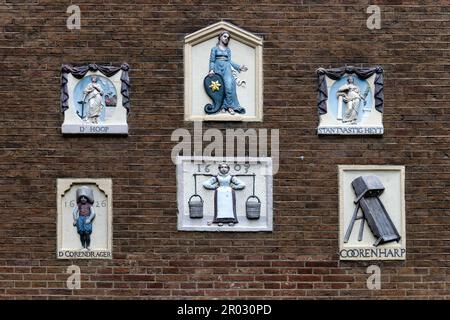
(214, 29)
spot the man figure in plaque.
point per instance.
(220, 63)
(83, 215)
(351, 95)
(93, 96)
(224, 185)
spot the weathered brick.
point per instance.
(151, 259)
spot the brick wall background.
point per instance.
(151, 259)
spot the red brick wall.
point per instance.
(299, 259)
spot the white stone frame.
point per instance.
(237, 34)
(64, 185)
(182, 204)
(373, 125)
(343, 227)
(117, 124)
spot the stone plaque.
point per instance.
(95, 99)
(223, 74)
(350, 101)
(224, 194)
(84, 218)
(372, 213)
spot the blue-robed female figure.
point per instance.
(220, 63)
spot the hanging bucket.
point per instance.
(253, 209)
(195, 207)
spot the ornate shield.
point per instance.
(215, 88)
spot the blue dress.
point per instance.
(220, 62)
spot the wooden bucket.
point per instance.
(195, 207)
(253, 209)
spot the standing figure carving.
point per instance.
(351, 94)
(83, 215)
(220, 63)
(93, 95)
(224, 185)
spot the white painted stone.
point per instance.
(393, 198)
(95, 129)
(262, 167)
(370, 123)
(115, 121)
(68, 240)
